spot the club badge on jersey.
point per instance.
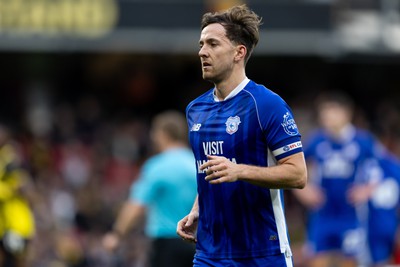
(232, 124)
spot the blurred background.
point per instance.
(81, 79)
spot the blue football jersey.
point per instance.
(383, 211)
(385, 198)
(337, 165)
(256, 127)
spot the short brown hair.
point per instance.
(241, 25)
(335, 96)
(172, 123)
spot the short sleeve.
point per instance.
(146, 186)
(279, 127)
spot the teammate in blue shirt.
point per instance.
(382, 217)
(163, 193)
(247, 148)
(335, 155)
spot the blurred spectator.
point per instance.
(75, 164)
(164, 192)
(335, 154)
(17, 223)
(88, 119)
(125, 151)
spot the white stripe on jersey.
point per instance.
(280, 221)
(289, 261)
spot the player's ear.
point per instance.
(240, 53)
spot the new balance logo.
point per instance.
(195, 127)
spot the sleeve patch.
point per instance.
(287, 148)
(289, 125)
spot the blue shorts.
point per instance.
(344, 238)
(381, 246)
(270, 261)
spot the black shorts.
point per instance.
(168, 252)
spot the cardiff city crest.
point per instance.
(232, 124)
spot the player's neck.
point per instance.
(173, 145)
(225, 87)
(341, 131)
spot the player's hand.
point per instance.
(311, 196)
(111, 241)
(187, 227)
(359, 194)
(220, 170)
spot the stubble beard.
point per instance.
(207, 76)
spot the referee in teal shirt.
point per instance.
(164, 193)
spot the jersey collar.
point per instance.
(235, 91)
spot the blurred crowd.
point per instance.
(80, 167)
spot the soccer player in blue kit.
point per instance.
(247, 149)
(382, 218)
(336, 154)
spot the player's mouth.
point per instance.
(206, 65)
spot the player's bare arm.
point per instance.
(291, 172)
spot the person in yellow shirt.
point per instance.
(17, 224)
